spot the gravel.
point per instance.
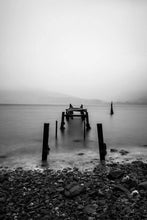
(111, 191)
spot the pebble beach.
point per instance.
(109, 191)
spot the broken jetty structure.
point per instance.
(72, 112)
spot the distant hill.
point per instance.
(41, 97)
(139, 101)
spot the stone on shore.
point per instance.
(73, 189)
(123, 152)
(114, 191)
(115, 174)
(143, 185)
(113, 150)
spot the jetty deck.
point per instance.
(70, 114)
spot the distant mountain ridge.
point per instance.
(41, 97)
(47, 97)
(138, 101)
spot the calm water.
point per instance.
(21, 130)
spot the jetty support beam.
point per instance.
(45, 148)
(102, 145)
(111, 110)
(87, 121)
(62, 121)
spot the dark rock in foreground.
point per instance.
(73, 189)
(115, 174)
(113, 150)
(123, 152)
(108, 192)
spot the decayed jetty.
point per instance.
(72, 112)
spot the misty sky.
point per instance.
(86, 48)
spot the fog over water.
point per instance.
(89, 49)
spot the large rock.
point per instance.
(121, 188)
(143, 185)
(113, 150)
(73, 189)
(115, 174)
(123, 152)
(130, 182)
(91, 209)
(3, 178)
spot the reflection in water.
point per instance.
(44, 164)
(73, 135)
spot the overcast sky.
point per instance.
(86, 48)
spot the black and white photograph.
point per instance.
(73, 109)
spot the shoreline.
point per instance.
(112, 191)
(83, 159)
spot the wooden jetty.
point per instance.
(69, 114)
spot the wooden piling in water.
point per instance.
(45, 147)
(87, 121)
(56, 130)
(84, 130)
(111, 110)
(102, 145)
(62, 121)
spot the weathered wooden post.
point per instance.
(71, 112)
(84, 130)
(111, 110)
(87, 121)
(62, 122)
(67, 115)
(56, 130)
(45, 148)
(102, 145)
(82, 113)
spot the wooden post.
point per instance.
(102, 145)
(56, 130)
(111, 110)
(45, 148)
(62, 122)
(84, 130)
(82, 114)
(87, 118)
(67, 115)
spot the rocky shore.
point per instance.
(112, 191)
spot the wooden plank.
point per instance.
(74, 115)
(76, 109)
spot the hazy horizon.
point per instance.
(41, 97)
(94, 49)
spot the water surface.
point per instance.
(21, 132)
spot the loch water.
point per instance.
(21, 131)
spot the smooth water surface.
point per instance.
(21, 129)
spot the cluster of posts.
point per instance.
(70, 114)
(46, 149)
(83, 115)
